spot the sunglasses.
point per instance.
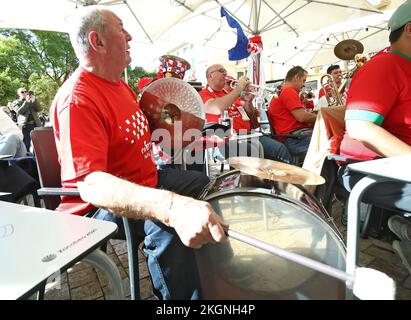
(23, 91)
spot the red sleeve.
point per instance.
(321, 93)
(290, 99)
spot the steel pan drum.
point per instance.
(279, 213)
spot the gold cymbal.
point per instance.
(347, 49)
(276, 171)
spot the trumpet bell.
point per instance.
(175, 107)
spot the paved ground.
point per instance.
(83, 283)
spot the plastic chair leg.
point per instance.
(132, 252)
(115, 289)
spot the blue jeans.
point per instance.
(27, 128)
(171, 264)
(389, 195)
(275, 150)
(298, 147)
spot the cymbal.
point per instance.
(276, 171)
(347, 49)
(172, 108)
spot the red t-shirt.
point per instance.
(385, 102)
(279, 112)
(238, 123)
(98, 125)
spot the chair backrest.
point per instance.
(47, 162)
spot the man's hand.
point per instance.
(243, 83)
(30, 98)
(196, 222)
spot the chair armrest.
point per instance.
(58, 192)
(336, 157)
(289, 135)
(214, 126)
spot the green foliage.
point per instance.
(41, 61)
(44, 89)
(38, 60)
(8, 88)
(135, 74)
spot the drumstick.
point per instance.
(368, 284)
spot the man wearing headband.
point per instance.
(378, 119)
(105, 149)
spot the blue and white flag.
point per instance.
(240, 50)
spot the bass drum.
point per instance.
(281, 214)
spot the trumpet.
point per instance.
(253, 88)
(307, 95)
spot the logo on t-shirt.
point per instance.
(135, 127)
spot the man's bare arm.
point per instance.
(218, 105)
(195, 221)
(302, 116)
(376, 138)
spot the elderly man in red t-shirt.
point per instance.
(288, 115)
(104, 145)
(378, 119)
(217, 99)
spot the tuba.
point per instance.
(336, 97)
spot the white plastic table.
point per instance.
(37, 244)
(377, 171)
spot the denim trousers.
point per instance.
(27, 128)
(171, 264)
(275, 150)
(298, 147)
(389, 195)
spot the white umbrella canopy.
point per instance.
(274, 20)
(317, 49)
(160, 26)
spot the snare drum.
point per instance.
(282, 214)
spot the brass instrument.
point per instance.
(255, 89)
(345, 50)
(336, 97)
(307, 95)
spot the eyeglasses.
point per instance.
(222, 70)
(23, 91)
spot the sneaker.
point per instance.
(403, 248)
(400, 226)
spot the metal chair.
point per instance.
(50, 182)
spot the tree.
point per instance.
(8, 88)
(135, 74)
(41, 61)
(38, 60)
(27, 52)
(44, 89)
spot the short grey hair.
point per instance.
(86, 20)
